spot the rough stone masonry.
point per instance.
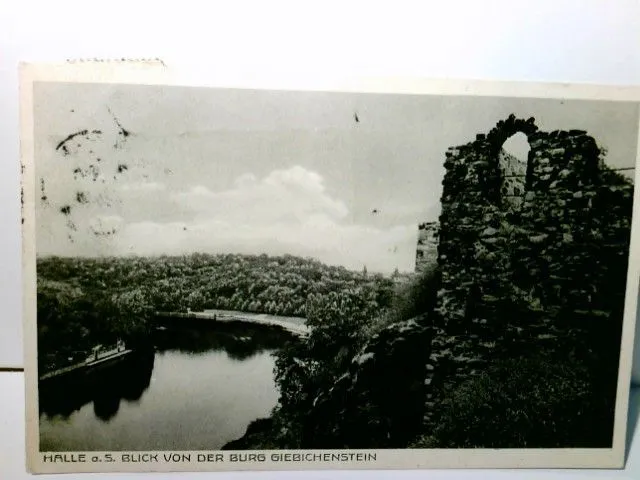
(527, 252)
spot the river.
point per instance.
(196, 390)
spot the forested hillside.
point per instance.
(84, 301)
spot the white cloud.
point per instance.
(288, 211)
(296, 177)
(352, 246)
(288, 196)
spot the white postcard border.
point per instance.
(154, 73)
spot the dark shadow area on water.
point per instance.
(105, 387)
(240, 341)
(130, 378)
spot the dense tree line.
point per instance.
(342, 323)
(546, 397)
(547, 394)
(84, 301)
(251, 283)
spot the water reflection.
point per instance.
(194, 389)
(105, 387)
(240, 341)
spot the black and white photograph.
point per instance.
(337, 273)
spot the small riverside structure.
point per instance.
(99, 357)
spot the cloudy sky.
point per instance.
(265, 172)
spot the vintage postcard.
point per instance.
(346, 274)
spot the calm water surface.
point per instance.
(197, 391)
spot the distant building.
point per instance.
(427, 248)
(514, 173)
(402, 278)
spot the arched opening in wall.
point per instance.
(513, 159)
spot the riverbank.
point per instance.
(210, 382)
(293, 325)
(258, 436)
(86, 365)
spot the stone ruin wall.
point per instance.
(516, 248)
(512, 191)
(520, 245)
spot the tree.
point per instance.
(336, 322)
(196, 300)
(542, 402)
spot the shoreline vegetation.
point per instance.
(360, 377)
(87, 301)
(293, 325)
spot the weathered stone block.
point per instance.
(527, 252)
